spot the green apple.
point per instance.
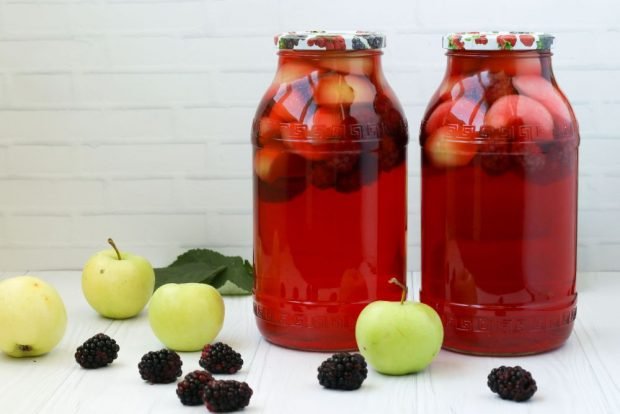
(398, 338)
(117, 284)
(186, 316)
(33, 317)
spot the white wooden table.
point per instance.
(581, 377)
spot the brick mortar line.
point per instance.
(181, 106)
(424, 28)
(432, 66)
(105, 176)
(120, 140)
(193, 211)
(102, 107)
(175, 210)
(593, 242)
(438, 31)
(420, 28)
(112, 213)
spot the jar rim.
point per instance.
(328, 40)
(498, 41)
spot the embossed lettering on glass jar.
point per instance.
(329, 142)
(499, 197)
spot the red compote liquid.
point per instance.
(499, 198)
(329, 191)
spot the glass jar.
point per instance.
(330, 210)
(499, 197)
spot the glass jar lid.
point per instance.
(490, 41)
(329, 40)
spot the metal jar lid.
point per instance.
(490, 41)
(330, 40)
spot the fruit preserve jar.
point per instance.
(329, 142)
(499, 197)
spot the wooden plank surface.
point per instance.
(581, 377)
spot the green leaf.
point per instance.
(239, 272)
(230, 274)
(187, 273)
(200, 256)
(230, 289)
(250, 269)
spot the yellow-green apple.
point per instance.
(398, 338)
(117, 284)
(33, 317)
(186, 316)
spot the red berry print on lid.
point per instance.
(506, 42)
(482, 40)
(497, 41)
(328, 42)
(526, 39)
(456, 42)
(339, 43)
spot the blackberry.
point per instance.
(224, 396)
(343, 162)
(562, 156)
(544, 42)
(323, 175)
(394, 124)
(191, 390)
(497, 84)
(281, 189)
(532, 162)
(382, 104)
(97, 352)
(291, 43)
(494, 156)
(512, 383)
(390, 153)
(358, 44)
(343, 371)
(288, 43)
(349, 182)
(495, 164)
(220, 358)
(160, 367)
(375, 42)
(364, 171)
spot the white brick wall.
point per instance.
(131, 118)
